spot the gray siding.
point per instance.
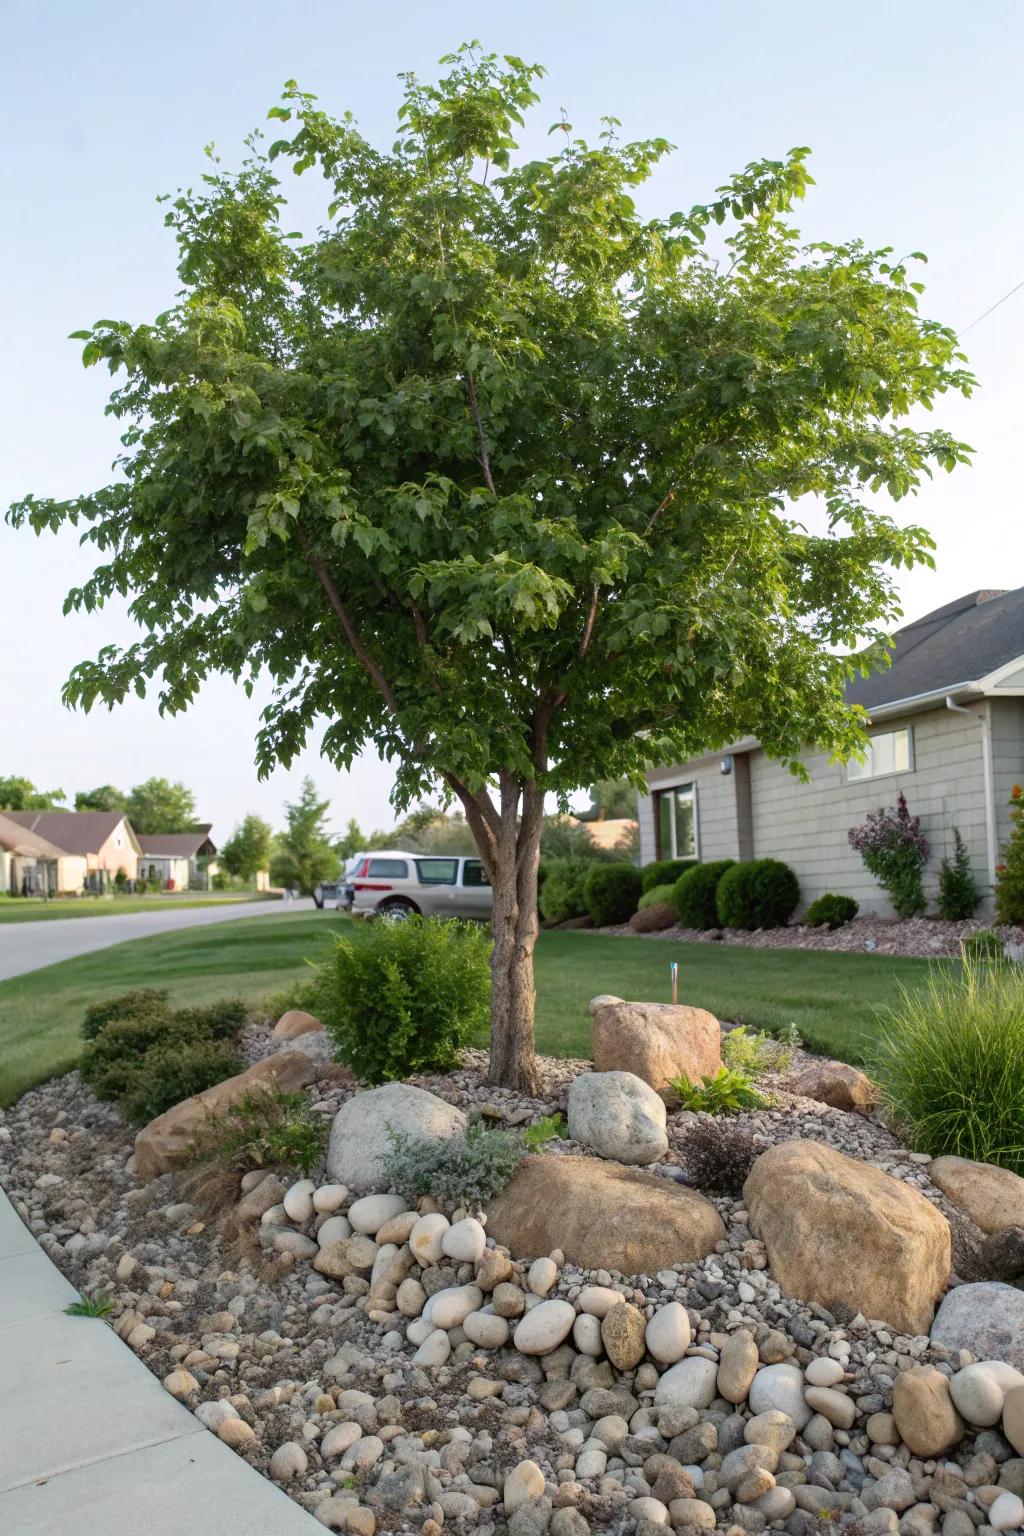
(1007, 759)
(718, 814)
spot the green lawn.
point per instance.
(832, 999)
(32, 909)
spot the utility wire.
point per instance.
(995, 306)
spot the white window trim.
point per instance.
(656, 790)
(890, 773)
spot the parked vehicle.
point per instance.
(338, 894)
(394, 884)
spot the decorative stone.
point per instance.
(295, 1243)
(597, 1299)
(544, 1327)
(486, 1329)
(236, 1433)
(1006, 1512)
(1013, 1418)
(654, 1041)
(668, 1333)
(924, 1412)
(992, 1197)
(494, 1268)
(781, 1387)
(622, 1333)
(839, 1409)
(508, 1300)
(690, 1384)
(360, 1135)
(397, 1229)
(338, 1439)
(987, 1318)
(523, 1484)
(334, 1230)
(602, 1215)
(770, 1428)
(977, 1395)
(619, 1116)
(434, 1350)
(541, 1276)
(298, 1201)
(450, 1307)
(465, 1241)
(294, 1023)
(823, 1372)
(840, 1231)
(371, 1212)
(586, 1335)
(329, 1198)
(737, 1366)
(288, 1462)
(426, 1238)
(260, 1198)
(180, 1383)
(835, 1083)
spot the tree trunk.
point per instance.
(514, 864)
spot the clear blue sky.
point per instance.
(913, 110)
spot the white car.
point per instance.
(395, 884)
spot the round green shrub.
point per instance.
(175, 1070)
(110, 1062)
(611, 892)
(405, 997)
(213, 1021)
(762, 893)
(561, 896)
(664, 872)
(658, 895)
(145, 1002)
(831, 911)
(694, 893)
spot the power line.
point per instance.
(995, 306)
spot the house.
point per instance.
(946, 727)
(30, 866)
(96, 845)
(173, 858)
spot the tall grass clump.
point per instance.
(950, 1063)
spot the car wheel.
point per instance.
(397, 911)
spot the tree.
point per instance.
(497, 473)
(160, 806)
(305, 854)
(22, 795)
(610, 800)
(106, 797)
(247, 850)
(354, 840)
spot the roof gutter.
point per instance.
(921, 700)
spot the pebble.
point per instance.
(544, 1327)
(690, 1384)
(450, 1308)
(780, 1386)
(524, 1483)
(329, 1198)
(1006, 1513)
(426, 1237)
(338, 1439)
(839, 1409)
(597, 1299)
(181, 1383)
(465, 1241)
(369, 1214)
(823, 1372)
(668, 1333)
(541, 1276)
(737, 1366)
(977, 1395)
(486, 1329)
(298, 1201)
(288, 1462)
(334, 1230)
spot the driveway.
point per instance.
(28, 946)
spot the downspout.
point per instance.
(988, 774)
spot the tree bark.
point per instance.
(514, 866)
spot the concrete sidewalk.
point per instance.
(91, 1443)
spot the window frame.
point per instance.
(437, 858)
(391, 874)
(862, 773)
(483, 884)
(656, 794)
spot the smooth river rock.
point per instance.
(360, 1135)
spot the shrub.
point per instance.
(466, 1169)
(405, 997)
(831, 911)
(654, 919)
(983, 945)
(213, 1021)
(144, 1001)
(950, 1064)
(1010, 874)
(611, 892)
(958, 893)
(266, 1129)
(656, 896)
(895, 851)
(751, 1052)
(174, 1070)
(724, 1094)
(562, 894)
(664, 872)
(762, 893)
(719, 1157)
(695, 892)
(110, 1063)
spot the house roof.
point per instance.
(79, 832)
(179, 845)
(954, 646)
(14, 838)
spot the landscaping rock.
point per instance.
(837, 1230)
(992, 1197)
(977, 1395)
(780, 1387)
(737, 1365)
(359, 1136)
(622, 1333)
(924, 1411)
(987, 1318)
(1001, 1255)
(690, 1384)
(600, 1214)
(619, 1116)
(835, 1083)
(294, 1023)
(165, 1143)
(654, 1041)
(668, 1333)
(544, 1327)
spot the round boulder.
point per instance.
(654, 1041)
(360, 1135)
(294, 1023)
(618, 1116)
(992, 1197)
(987, 1318)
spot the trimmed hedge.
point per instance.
(561, 895)
(761, 893)
(831, 911)
(657, 896)
(694, 893)
(611, 892)
(664, 872)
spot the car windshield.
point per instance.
(437, 871)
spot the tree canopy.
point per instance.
(305, 854)
(20, 794)
(504, 476)
(247, 850)
(158, 806)
(105, 797)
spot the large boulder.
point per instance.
(987, 1318)
(166, 1142)
(655, 1041)
(619, 1116)
(294, 1023)
(992, 1197)
(360, 1135)
(602, 1216)
(835, 1083)
(837, 1230)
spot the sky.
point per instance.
(913, 112)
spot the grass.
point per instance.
(833, 999)
(32, 909)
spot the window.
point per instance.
(387, 869)
(473, 873)
(437, 871)
(888, 752)
(675, 821)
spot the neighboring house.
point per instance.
(173, 858)
(95, 845)
(946, 728)
(30, 866)
(617, 832)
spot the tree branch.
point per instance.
(365, 659)
(659, 509)
(485, 462)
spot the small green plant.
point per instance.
(468, 1168)
(950, 1063)
(1010, 873)
(562, 896)
(719, 1157)
(611, 892)
(549, 1128)
(958, 891)
(99, 1304)
(983, 945)
(750, 1052)
(144, 1002)
(695, 893)
(760, 893)
(664, 872)
(726, 1093)
(655, 896)
(265, 1129)
(405, 997)
(830, 911)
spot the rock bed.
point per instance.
(925, 937)
(728, 1402)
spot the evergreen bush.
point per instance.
(656, 896)
(761, 893)
(143, 1001)
(958, 892)
(664, 872)
(1010, 874)
(831, 911)
(611, 892)
(695, 893)
(561, 895)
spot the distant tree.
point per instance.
(610, 800)
(247, 850)
(158, 806)
(353, 841)
(432, 830)
(106, 797)
(22, 795)
(305, 854)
